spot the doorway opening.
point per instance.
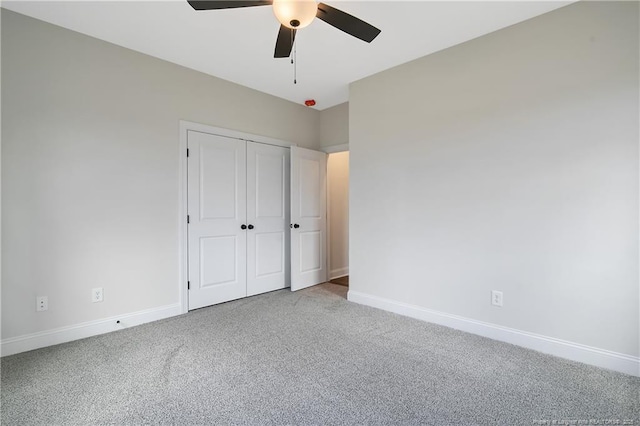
(338, 217)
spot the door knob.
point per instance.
(243, 226)
(250, 226)
(295, 225)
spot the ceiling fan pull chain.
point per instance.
(291, 32)
(294, 58)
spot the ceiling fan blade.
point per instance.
(284, 43)
(217, 4)
(347, 23)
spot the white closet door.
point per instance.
(267, 218)
(308, 217)
(217, 209)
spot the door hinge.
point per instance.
(187, 218)
(187, 152)
(188, 285)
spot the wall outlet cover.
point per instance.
(97, 294)
(496, 298)
(42, 303)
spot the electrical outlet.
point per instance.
(96, 294)
(496, 298)
(42, 303)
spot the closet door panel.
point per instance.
(308, 217)
(217, 209)
(268, 214)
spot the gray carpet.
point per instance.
(308, 357)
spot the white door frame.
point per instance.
(336, 148)
(185, 126)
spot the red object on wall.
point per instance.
(310, 102)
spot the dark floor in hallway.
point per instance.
(341, 280)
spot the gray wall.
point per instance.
(509, 162)
(90, 170)
(334, 125)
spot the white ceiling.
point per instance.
(237, 44)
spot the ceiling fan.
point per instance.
(296, 14)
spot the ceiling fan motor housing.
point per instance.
(295, 14)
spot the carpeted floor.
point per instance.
(301, 358)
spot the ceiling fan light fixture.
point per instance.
(295, 14)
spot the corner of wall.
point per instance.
(334, 126)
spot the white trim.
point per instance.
(228, 133)
(574, 351)
(335, 148)
(183, 252)
(328, 215)
(338, 273)
(183, 249)
(28, 342)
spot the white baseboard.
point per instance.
(574, 351)
(337, 273)
(56, 336)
